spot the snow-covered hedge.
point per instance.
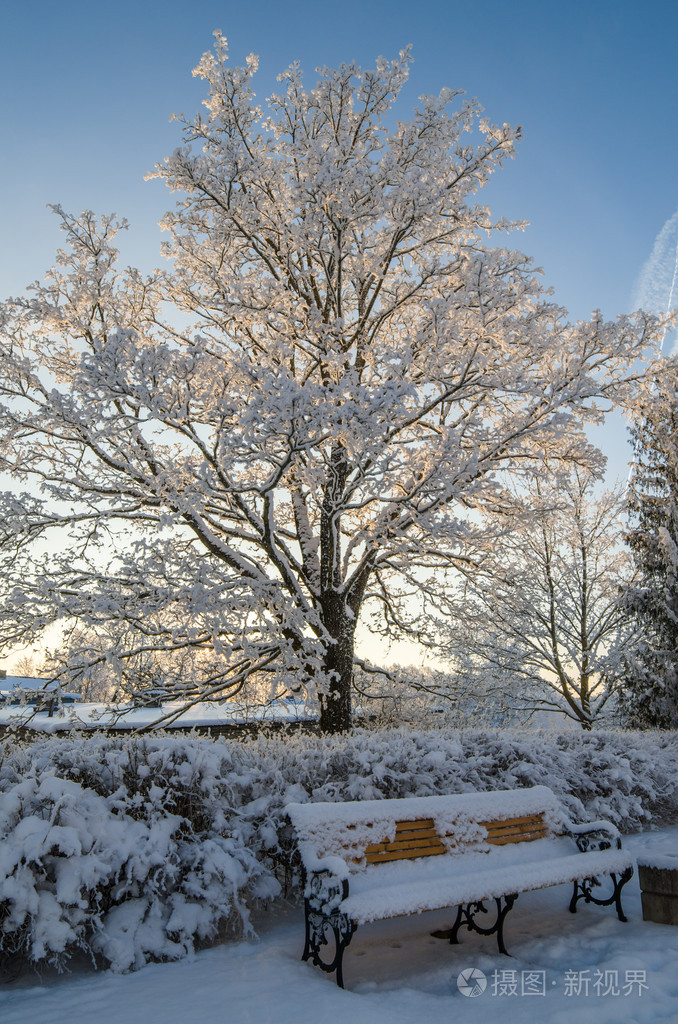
(134, 849)
(130, 850)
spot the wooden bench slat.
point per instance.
(524, 830)
(429, 851)
(422, 833)
(415, 823)
(406, 844)
(524, 837)
(516, 830)
(502, 822)
(415, 826)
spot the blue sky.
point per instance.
(87, 90)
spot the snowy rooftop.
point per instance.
(9, 683)
(126, 717)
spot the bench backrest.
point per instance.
(378, 831)
(421, 838)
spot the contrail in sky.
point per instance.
(656, 286)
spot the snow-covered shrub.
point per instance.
(134, 849)
(628, 778)
(122, 849)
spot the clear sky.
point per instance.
(87, 90)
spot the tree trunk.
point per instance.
(335, 705)
(585, 691)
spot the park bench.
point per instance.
(372, 860)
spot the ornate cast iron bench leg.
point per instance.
(323, 925)
(318, 926)
(582, 890)
(466, 915)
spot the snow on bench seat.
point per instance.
(453, 881)
(374, 859)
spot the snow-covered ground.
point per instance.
(588, 967)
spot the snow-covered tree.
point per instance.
(650, 697)
(539, 612)
(432, 697)
(295, 422)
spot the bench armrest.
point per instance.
(594, 835)
(336, 866)
(324, 891)
(325, 879)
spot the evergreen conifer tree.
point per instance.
(650, 698)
